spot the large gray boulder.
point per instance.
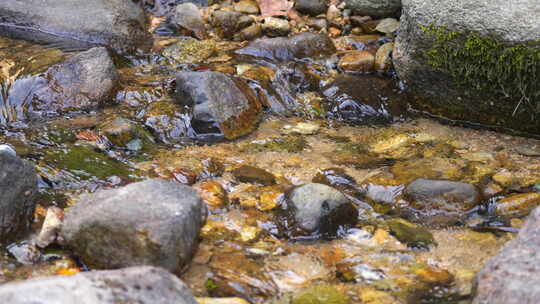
(474, 61)
(142, 285)
(119, 24)
(215, 99)
(18, 189)
(512, 276)
(154, 222)
(376, 8)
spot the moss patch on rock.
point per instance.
(488, 65)
(85, 163)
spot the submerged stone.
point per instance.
(305, 45)
(517, 205)
(478, 64)
(438, 202)
(249, 174)
(317, 210)
(319, 295)
(409, 233)
(367, 99)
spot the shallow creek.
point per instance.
(241, 255)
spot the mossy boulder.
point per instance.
(472, 61)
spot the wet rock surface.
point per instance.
(508, 277)
(116, 23)
(143, 285)
(85, 81)
(305, 45)
(319, 210)
(218, 102)
(477, 74)
(377, 8)
(313, 7)
(302, 110)
(249, 174)
(362, 100)
(18, 190)
(155, 222)
(439, 202)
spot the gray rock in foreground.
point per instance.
(376, 8)
(141, 285)
(18, 189)
(513, 275)
(119, 24)
(154, 222)
(474, 61)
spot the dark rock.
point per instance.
(74, 24)
(439, 202)
(311, 7)
(226, 23)
(218, 101)
(249, 174)
(367, 99)
(305, 45)
(18, 190)
(376, 8)
(316, 210)
(189, 18)
(409, 233)
(83, 82)
(512, 275)
(154, 222)
(477, 64)
(143, 285)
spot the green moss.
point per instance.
(321, 295)
(84, 162)
(488, 65)
(210, 285)
(410, 234)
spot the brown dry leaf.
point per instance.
(274, 7)
(88, 135)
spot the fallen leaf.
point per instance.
(274, 7)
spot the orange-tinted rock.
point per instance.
(357, 61)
